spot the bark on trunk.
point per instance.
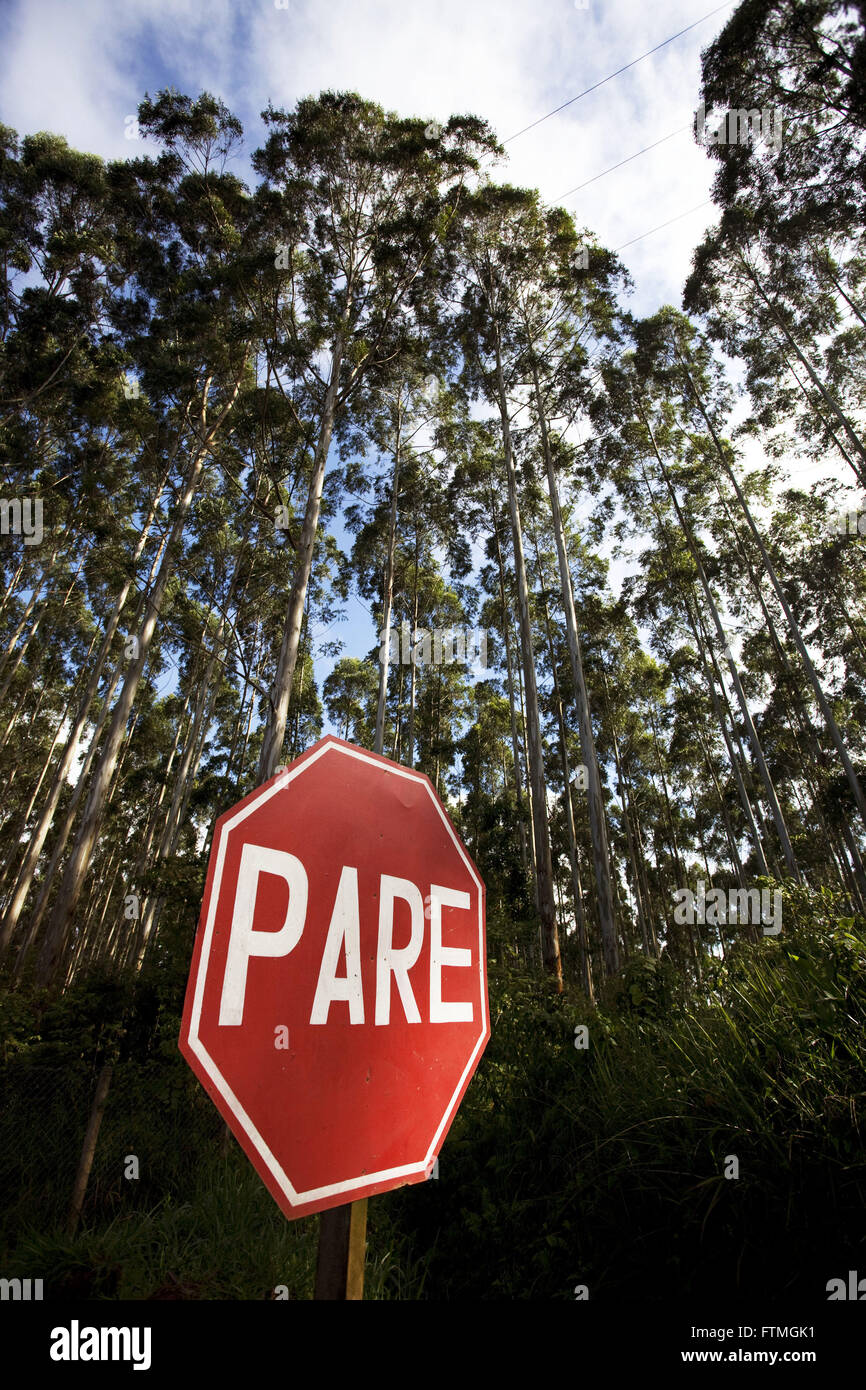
(46, 818)
(833, 727)
(82, 853)
(595, 801)
(544, 863)
(388, 594)
(275, 729)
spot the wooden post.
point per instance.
(88, 1148)
(342, 1245)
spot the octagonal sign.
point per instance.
(337, 999)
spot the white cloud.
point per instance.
(80, 70)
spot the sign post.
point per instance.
(342, 1246)
(336, 1007)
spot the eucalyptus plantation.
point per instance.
(376, 446)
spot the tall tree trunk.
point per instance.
(775, 807)
(82, 852)
(813, 375)
(704, 649)
(580, 917)
(388, 591)
(833, 727)
(186, 773)
(34, 628)
(797, 716)
(275, 727)
(595, 801)
(512, 703)
(544, 861)
(13, 583)
(46, 817)
(643, 921)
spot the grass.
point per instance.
(611, 1167)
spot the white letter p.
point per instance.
(244, 941)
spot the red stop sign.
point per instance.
(337, 999)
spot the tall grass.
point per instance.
(610, 1167)
(614, 1167)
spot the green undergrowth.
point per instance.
(611, 1168)
(706, 1142)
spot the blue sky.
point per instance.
(80, 70)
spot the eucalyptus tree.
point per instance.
(555, 705)
(825, 555)
(79, 718)
(369, 200)
(781, 278)
(567, 309)
(484, 763)
(629, 684)
(404, 501)
(498, 258)
(187, 328)
(737, 287)
(55, 289)
(220, 562)
(486, 817)
(804, 58)
(441, 667)
(663, 601)
(74, 434)
(689, 453)
(652, 442)
(824, 578)
(474, 496)
(688, 372)
(349, 693)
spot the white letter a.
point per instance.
(345, 926)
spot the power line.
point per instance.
(595, 86)
(661, 225)
(679, 215)
(627, 160)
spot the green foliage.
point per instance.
(601, 1165)
(606, 1166)
(189, 351)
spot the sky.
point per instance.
(80, 70)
